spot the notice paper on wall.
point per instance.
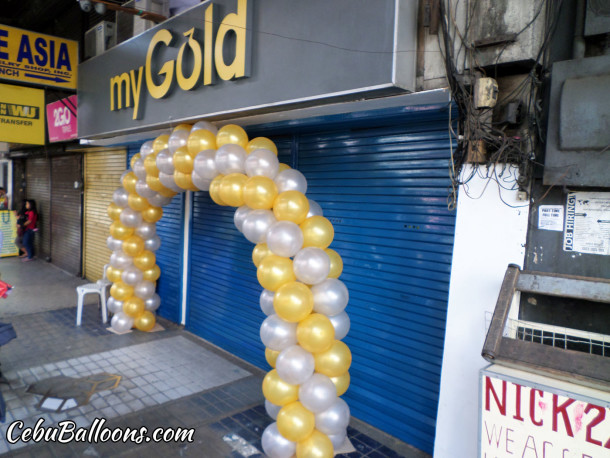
(550, 217)
(587, 224)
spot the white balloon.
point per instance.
(338, 439)
(278, 334)
(114, 244)
(153, 243)
(341, 323)
(120, 260)
(311, 265)
(144, 290)
(130, 217)
(295, 365)
(272, 409)
(120, 197)
(169, 182)
(266, 302)
(113, 305)
(177, 139)
(240, 215)
(230, 158)
(159, 201)
(205, 164)
(143, 190)
(262, 162)
(165, 160)
(285, 238)
(146, 230)
(131, 275)
(205, 125)
(153, 303)
(256, 224)
(201, 183)
(314, 209)
(330, 297)
(335, 419)
(275, 445)
(121, 322)
(146, 149)
(291, 180)
(318, 393)
(139, 169)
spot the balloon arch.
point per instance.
(302, 297)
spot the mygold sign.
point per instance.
(21, 115)
(198, 62)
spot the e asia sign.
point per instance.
(523, 421)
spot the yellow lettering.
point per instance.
(136, 88)
(239, 23)
(189, 83)
(116, 82)
(208, 45)
(158, 91)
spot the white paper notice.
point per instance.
(587, 227)
(550, 217)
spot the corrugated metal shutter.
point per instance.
(38, 188)
(66, 202)
(170, 255)
(103, 170)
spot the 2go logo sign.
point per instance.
(62, 119)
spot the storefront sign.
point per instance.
(61, 119)
(587, 228)
(523, 421)
(226, 57)
(30, 57)
(21, 115)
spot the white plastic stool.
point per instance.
(99, 287)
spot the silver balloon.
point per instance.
(278, 334)
(285, 238)
(132, 275)
(256, 224)
(330, 297)
(275, 445)
(120, 260)
(177, 140)
(335, 419)
(165, 160)
(262, 162)
(341, 323)
(311, 265)
(266, 302)
(272, 409)
(139, 169)
(295, 365)
(144, 290)
(121, 322)
(314, 209)
(153, 243)
(146, 230)
(201, 183)
(291, 180)
(120, 197)
(169, 182)
(159, 201)
(318, 393)
(338, 439)
(143, 190)
(124, 174)
(146, 149)
(240, 215)
(205, 125)
(230, 158)
(205, 164)
(130, 217)
(114, 244)
(153, 303)
(113, 305)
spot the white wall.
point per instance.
(489, 235)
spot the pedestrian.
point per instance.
(30, 228)
(21, 230)
(3, 199)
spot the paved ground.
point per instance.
(167, 379)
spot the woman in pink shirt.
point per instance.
(31, 218)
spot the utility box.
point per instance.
(129, 25)
(99, 38)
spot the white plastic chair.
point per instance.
(99, 287)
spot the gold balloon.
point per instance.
(154, 183)
(182, 127)
(315, 333)
(133, 245)
(336, 263)
(114, 211)
(183, 160)
(200, 140)
(275, 271)
(152, 214)
(231, 189)
(145, 260)
(335, 361)
(159, 143)
(119, 231)
(137, 202)
(295, 422)
(150, 164)
(291, 206)
(113, 274)
(260, 192)
(231, 133)
(134, 306)
(317, 232)
(185, 181)
(166, 192)
(283, 167)
(341, 383)
(134, 158)
(215, 188)
(317, 445)
(259, 253)
(261, 143)
(129, 182)
(145, 322)
(152, 274)
(271, 356)
(293, 302)
(278, 391)
(120, 291)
